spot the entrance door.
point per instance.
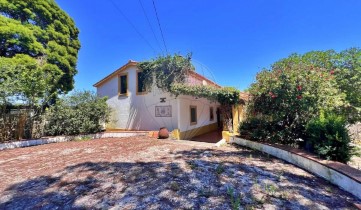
(219, 122)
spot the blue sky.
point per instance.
(230, 40)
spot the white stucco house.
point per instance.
(133, 109)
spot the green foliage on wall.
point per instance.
(225, 95)
(169, 73)
(164, 71)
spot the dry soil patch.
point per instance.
(145, 173)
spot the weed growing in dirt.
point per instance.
(235, 200)
(174, 186)
(249, 207)
(83, 138)
(329, 189)
(270, 189)
(220, 169)
(205, 193)
(285, 195)
(191, 165)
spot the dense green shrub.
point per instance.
(288, 96)
(257, 129)
(79, 113)
(346, 68)
(252, 129)
(287, 99)
(329, 138)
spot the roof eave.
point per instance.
(122, 68)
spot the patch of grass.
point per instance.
(270, 189)
(249, 207)
(329, 189)
(285, 195)
(205, 193)
(235, 200)
(83, 138)
(220, 169)
(191, 165)
(174, 186)
(357, 151)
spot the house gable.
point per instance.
(115, 73)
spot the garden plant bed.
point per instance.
(142, 172)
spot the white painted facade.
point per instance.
(137, 112)
(203, 113)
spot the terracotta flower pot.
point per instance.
(155, 134)
(163, 133)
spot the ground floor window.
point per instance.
(193, 112)
(211, 114)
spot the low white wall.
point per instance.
(335, 177)
(57, 139)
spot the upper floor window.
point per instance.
(140, 83)
(123, 84)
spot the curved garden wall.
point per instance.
(340, 174)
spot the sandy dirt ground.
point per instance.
(146, 173)
(356, 159)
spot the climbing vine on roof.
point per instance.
(165, 71)
(169, 73)
(224, 95)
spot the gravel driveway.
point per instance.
(146, 173)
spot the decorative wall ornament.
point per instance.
(163, 111)
(162, 100)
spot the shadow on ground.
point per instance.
(194, 179)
